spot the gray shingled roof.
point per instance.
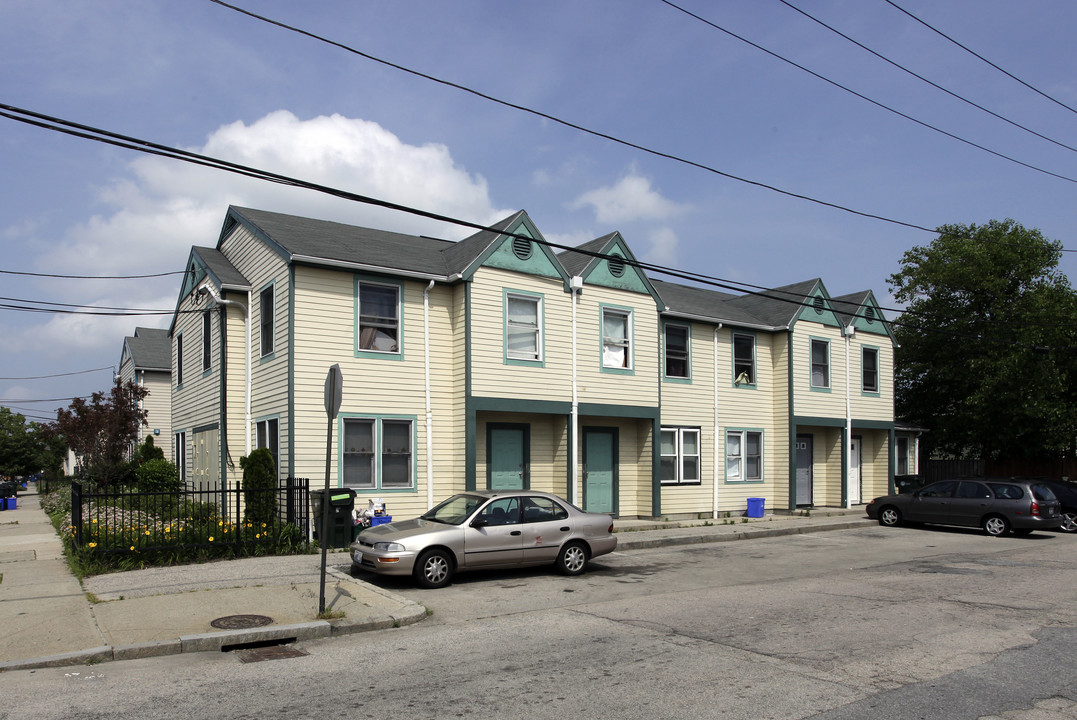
(778, 306)
(575, 263)
(150, 349)
(847, 306)
(221, 268)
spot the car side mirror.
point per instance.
(479, 522)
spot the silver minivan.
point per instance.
(997, 506)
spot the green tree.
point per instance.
(101, 432)
(259, 481)
(986, 347)
(17, 446)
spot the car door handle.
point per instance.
(565, 529)
(515, 532)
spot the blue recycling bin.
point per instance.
(755, 507)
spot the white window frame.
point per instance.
(611, 344)
(825, 365)
(679, 456)
(267, 435)
(737, 458)
(374, 322)
(520, 328)
(179, 453)
(378, 453)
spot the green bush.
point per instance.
(157, 476)
(259, 486)
(148, 451)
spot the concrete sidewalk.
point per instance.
(50, 619)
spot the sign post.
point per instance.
(334, 390)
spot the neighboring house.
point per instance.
(146, 360)
(495, 362)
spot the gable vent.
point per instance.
(617, 266)
(521, 248)
(869, 314)
(817, 303)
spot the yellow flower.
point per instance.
(221, 523)
(93, 545)
(132, 547)
(147, 532)
(211, 538)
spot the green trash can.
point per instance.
(338, 531)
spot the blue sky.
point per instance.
(202, 77)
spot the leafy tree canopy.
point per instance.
(101, 432)
(17, 445)
(986, 355)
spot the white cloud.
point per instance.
(166, 206)
(664, 248)
(630, 199)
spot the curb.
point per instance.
(696, 538)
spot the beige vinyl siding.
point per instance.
(871, 406)
(158, 405)
(491, 376)
(808, 401)
(325, 335)
(233, 437)
(548, 461)
(197, 402)
(691, 405)
(874, 464)
(641, 386)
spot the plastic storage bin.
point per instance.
(755, 507)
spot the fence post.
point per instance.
(76, 513)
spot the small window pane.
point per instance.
(378, 323)
(676, 351)
(744, 358)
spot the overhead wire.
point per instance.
(876, 103)
(977, 55)
(66, 374)
(920, 77)
(93, 277)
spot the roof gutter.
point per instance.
(724, 321)
(364, 267)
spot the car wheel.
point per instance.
(890, 516)
(433, 569)
(1069, 522)
(996, 525)
(572, 559)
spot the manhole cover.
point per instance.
(240, 622)
(275, 652)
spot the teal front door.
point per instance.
(599, 469)
(507, 454)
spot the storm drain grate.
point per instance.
(274, 652)
(240, 622)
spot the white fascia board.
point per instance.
(363, 267)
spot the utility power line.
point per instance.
(975, 54)
(924, 79)
(876, 103)
(56, 375)
(93, 277)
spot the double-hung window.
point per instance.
(207, 339)
(179, 450)
(743, 359)
(268, 436)
(265, 328)
(616, 339)
(743, 455)
(379, 318)
(680, 455)
(677, 359)
(523, 327)
(378, 454)
(179, 360)
(820, 364)
(869, 370)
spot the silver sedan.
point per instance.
(485, 529)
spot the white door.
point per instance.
(854, 472)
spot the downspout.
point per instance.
(576, 285)
(217, 300)
(717, 433)
(429, 408)
(849, 332)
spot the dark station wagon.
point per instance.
(997, 506)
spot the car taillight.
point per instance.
(1035, 509)
(610, 531)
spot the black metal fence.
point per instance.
(222, 518)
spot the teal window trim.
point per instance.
(540, 333)
(378, 420)
(630, 342)
(207, 343)
(687, 377)
(864, 390)
(743, 434)
(271, 443)
(397, 354)
(738, 368)
(811, 365)
(179, 361)
(271, 287)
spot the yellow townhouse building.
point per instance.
(496, 362)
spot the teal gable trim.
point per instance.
(817, 309)
(500, 254)
(875, 326)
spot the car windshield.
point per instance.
(455, 510)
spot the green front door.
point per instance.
(599, 469)
(507, 456)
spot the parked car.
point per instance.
(1066, 492)
(997, 506)
(485, 529)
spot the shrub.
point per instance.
(148, 451)
(259, 484)
(157, 476)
